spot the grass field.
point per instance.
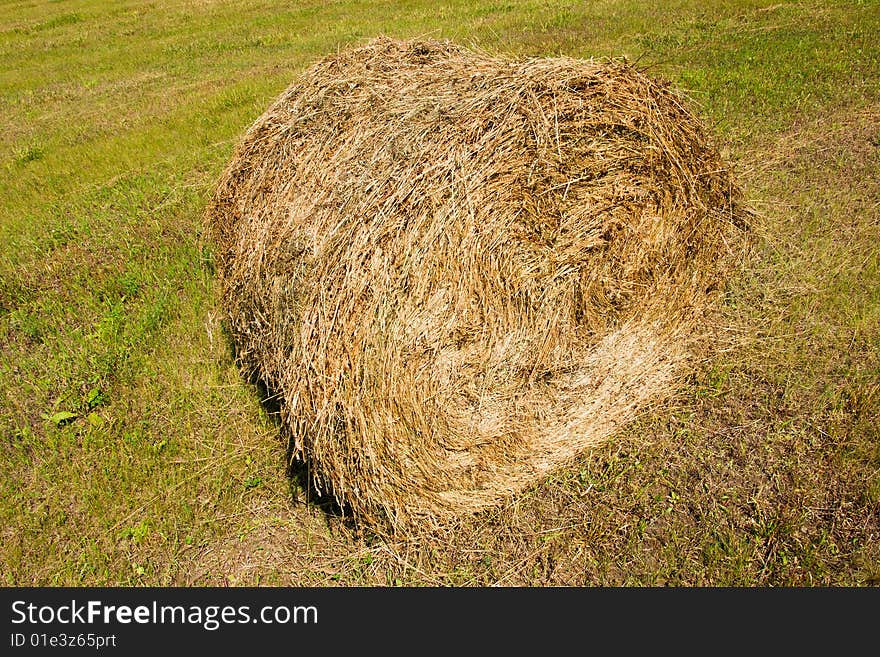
(133, 453)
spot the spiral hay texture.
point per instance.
(457, 271)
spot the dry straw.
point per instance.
(459, 270)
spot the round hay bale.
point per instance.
(458, 270)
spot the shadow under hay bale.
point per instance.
(460, 270)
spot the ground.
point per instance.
(134, 453)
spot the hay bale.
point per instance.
(458, 270)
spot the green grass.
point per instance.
(116, 118)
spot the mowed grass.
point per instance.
(134, 453)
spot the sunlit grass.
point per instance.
(116, 118)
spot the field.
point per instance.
(133, 453)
